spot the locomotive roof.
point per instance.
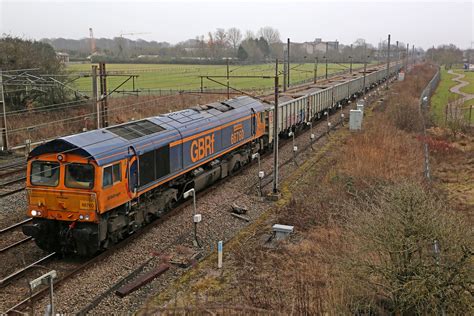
(114, 143)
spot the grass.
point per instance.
(442, 95)
(186, 77)
(311, 201)
(466, 111)
(469, 76)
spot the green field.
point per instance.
(186, 77)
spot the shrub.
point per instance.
(391, 261)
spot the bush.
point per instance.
(390, 260)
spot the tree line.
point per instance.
(213, 47)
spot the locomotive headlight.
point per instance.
(34, 213)
(87, 217)
(81, 216)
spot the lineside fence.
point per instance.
(424, 102)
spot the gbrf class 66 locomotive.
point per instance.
(90, 190)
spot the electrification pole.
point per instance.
(398, 52)
(316, 70)
(413, 54)
(4, 115)
(275, 134)
(388, 62)
(228, 88)
(365, 63)
(350, 57)
(285, 69)
(326, 57)
(103, 95)
(288, 60)
(406, 58)
(95, 98)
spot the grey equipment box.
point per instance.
(355, 120)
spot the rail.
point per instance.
(17, 273)
(4, 230)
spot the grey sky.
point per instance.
(424, 23)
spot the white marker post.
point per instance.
(46, 279)
(219, 254)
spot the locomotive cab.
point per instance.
(62, 200)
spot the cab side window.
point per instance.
(111, 175)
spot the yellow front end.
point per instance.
(63, 205)
(62, 187)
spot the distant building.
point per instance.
(62, 57)
(318, 46)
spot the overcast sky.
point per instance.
(423, 23)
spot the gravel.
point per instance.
(217, 224)
(164, 238)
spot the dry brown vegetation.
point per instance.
(38, 126)
(366, 224)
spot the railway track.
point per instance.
(10, 179)
(12, 276)
(12, 168)
(36, 296)
(23, 304)
(12, 228)
(267, 181)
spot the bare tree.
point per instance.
(249, 34)
(270, 34)
(220, 37)
(235, 36)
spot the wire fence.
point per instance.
(424, 102)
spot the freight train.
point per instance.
(88, 191)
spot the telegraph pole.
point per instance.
(275, 134)
(316, 70)
(95, 98)
(388, 62)
(288, 59)
(413, 54)
(228, 91)
(103, 94)
(4, 114)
